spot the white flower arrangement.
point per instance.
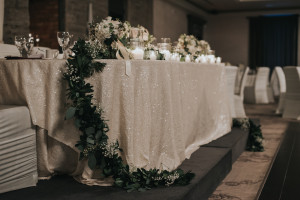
(110, 36)
(103, 37)
(189, 44)
(148, 39)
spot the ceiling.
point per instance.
(220, 6)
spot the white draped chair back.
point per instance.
(291, 107)
(261, 92)
(231, 72)
(243, 83)
(8, 50)
(239, 99)
(18, 155)
(239, 76)
(279, 75)
(274, 83)
(261, 85)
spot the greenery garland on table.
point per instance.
(255, 138)
(93, 143)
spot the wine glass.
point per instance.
(28, 45)
(19, 42)
(63, 40)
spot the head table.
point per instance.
(159, 111)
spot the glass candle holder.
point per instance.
(137, 49)
(165, 40)
(152, 55)
(188, 58)
(136, 33)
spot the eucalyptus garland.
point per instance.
(93, 144)
(255, 138)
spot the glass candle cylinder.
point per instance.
(137, 49)
(188, 58)
(152, 55)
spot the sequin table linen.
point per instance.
(159, 111)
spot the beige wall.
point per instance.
(168, 20)
(76, 15)
(140, 13)
(228, 34)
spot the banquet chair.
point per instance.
(231, 72)
(239, 76)
(239, 98)
(279, 74)
(18, 157)
(291, 108)
(8, 50)
(274, 83)
(259, 93)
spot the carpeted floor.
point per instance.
(249, 171)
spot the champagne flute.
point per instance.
(63, 40)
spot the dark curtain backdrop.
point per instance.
(273, 41)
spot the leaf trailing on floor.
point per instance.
(255, 138)
(93, 144)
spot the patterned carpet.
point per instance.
(249, 171)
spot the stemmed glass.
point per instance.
(19, 42)
(24, 45)
(63, 40)
(28, 45)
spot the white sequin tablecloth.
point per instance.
(161, 112)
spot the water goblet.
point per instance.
(63, 40)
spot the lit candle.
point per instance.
(203, 59)
(187, 58)
(178, 57)
(211, 58)
(138, 54)
(90, 12)
(166, 53)
(173, 57)
(152, 55)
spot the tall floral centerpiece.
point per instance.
(104, 36)
(189, 44)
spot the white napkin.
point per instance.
(36, 56)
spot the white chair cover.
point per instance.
(8, 50)
(18, 156)
(291, 107)
(260, 93)
(274, 83)
(238, 80)
(279, 74)
(231, 73)
(238, 99)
